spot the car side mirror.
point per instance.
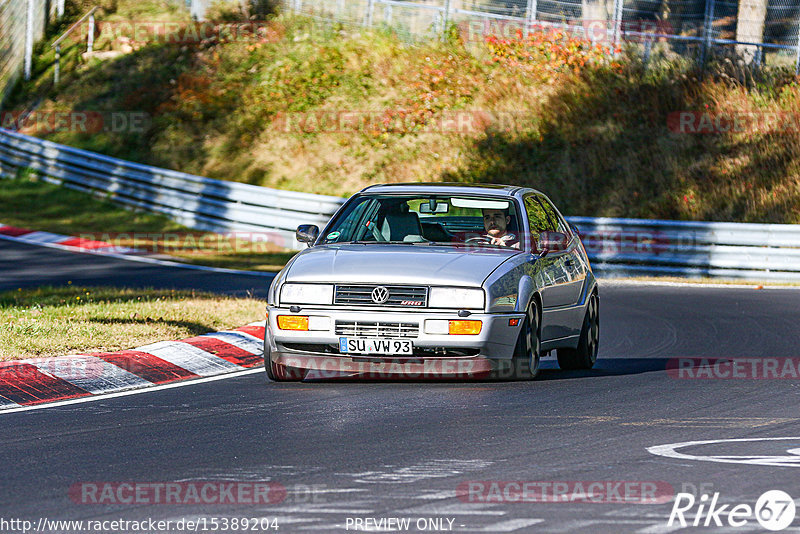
(307, 233)
(551, 242)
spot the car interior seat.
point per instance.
(401, 224)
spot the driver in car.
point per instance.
(496, 224)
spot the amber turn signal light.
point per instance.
(293, 322)
(460, 328)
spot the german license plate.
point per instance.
(364, 345)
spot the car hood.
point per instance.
(396, 264)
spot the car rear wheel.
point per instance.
(585, 355)
(278, 372)
(528, 351)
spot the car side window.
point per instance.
(352, 226)
(537, 216)
(537, 220)
(556, 223)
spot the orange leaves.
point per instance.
(441, 82)
(548, 51)
(193, 88)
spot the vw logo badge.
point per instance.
(380, 295)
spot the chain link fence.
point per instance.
(758, 32)
(22, 23)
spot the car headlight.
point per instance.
(455, 297)
(306, 294)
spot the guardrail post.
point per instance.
(28, 41)
(618, 4)
(368, 14)
(708, 26)
(648, 48)
(90, 37)
(60, 8)
(530, 16)
(57, 69)
(387, 14)
(797, 57)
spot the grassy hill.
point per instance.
(332, 109)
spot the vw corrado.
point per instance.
(434, 279)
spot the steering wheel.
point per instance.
(478, 239)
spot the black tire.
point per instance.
(278, 372)
(585, 356)
(528, 352)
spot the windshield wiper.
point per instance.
(427, 243)
(363, 242)
(456, 244)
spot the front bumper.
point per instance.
(436, 354)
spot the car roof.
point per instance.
(446, 188)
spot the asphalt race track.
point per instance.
(24, 265)
(358, 450)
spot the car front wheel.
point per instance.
(528, 351)
(585, 355)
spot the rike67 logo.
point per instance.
(774, 510)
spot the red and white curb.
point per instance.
(64, 241)
(44, 380)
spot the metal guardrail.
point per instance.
(195, 201)
(615, 246)
(689, 248)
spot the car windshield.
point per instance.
(427, 219)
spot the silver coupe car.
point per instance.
(434, 280)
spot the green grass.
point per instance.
(588, 129)
(53, 321)
(28, 203)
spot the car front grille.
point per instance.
(401, 296)
(376, 329)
